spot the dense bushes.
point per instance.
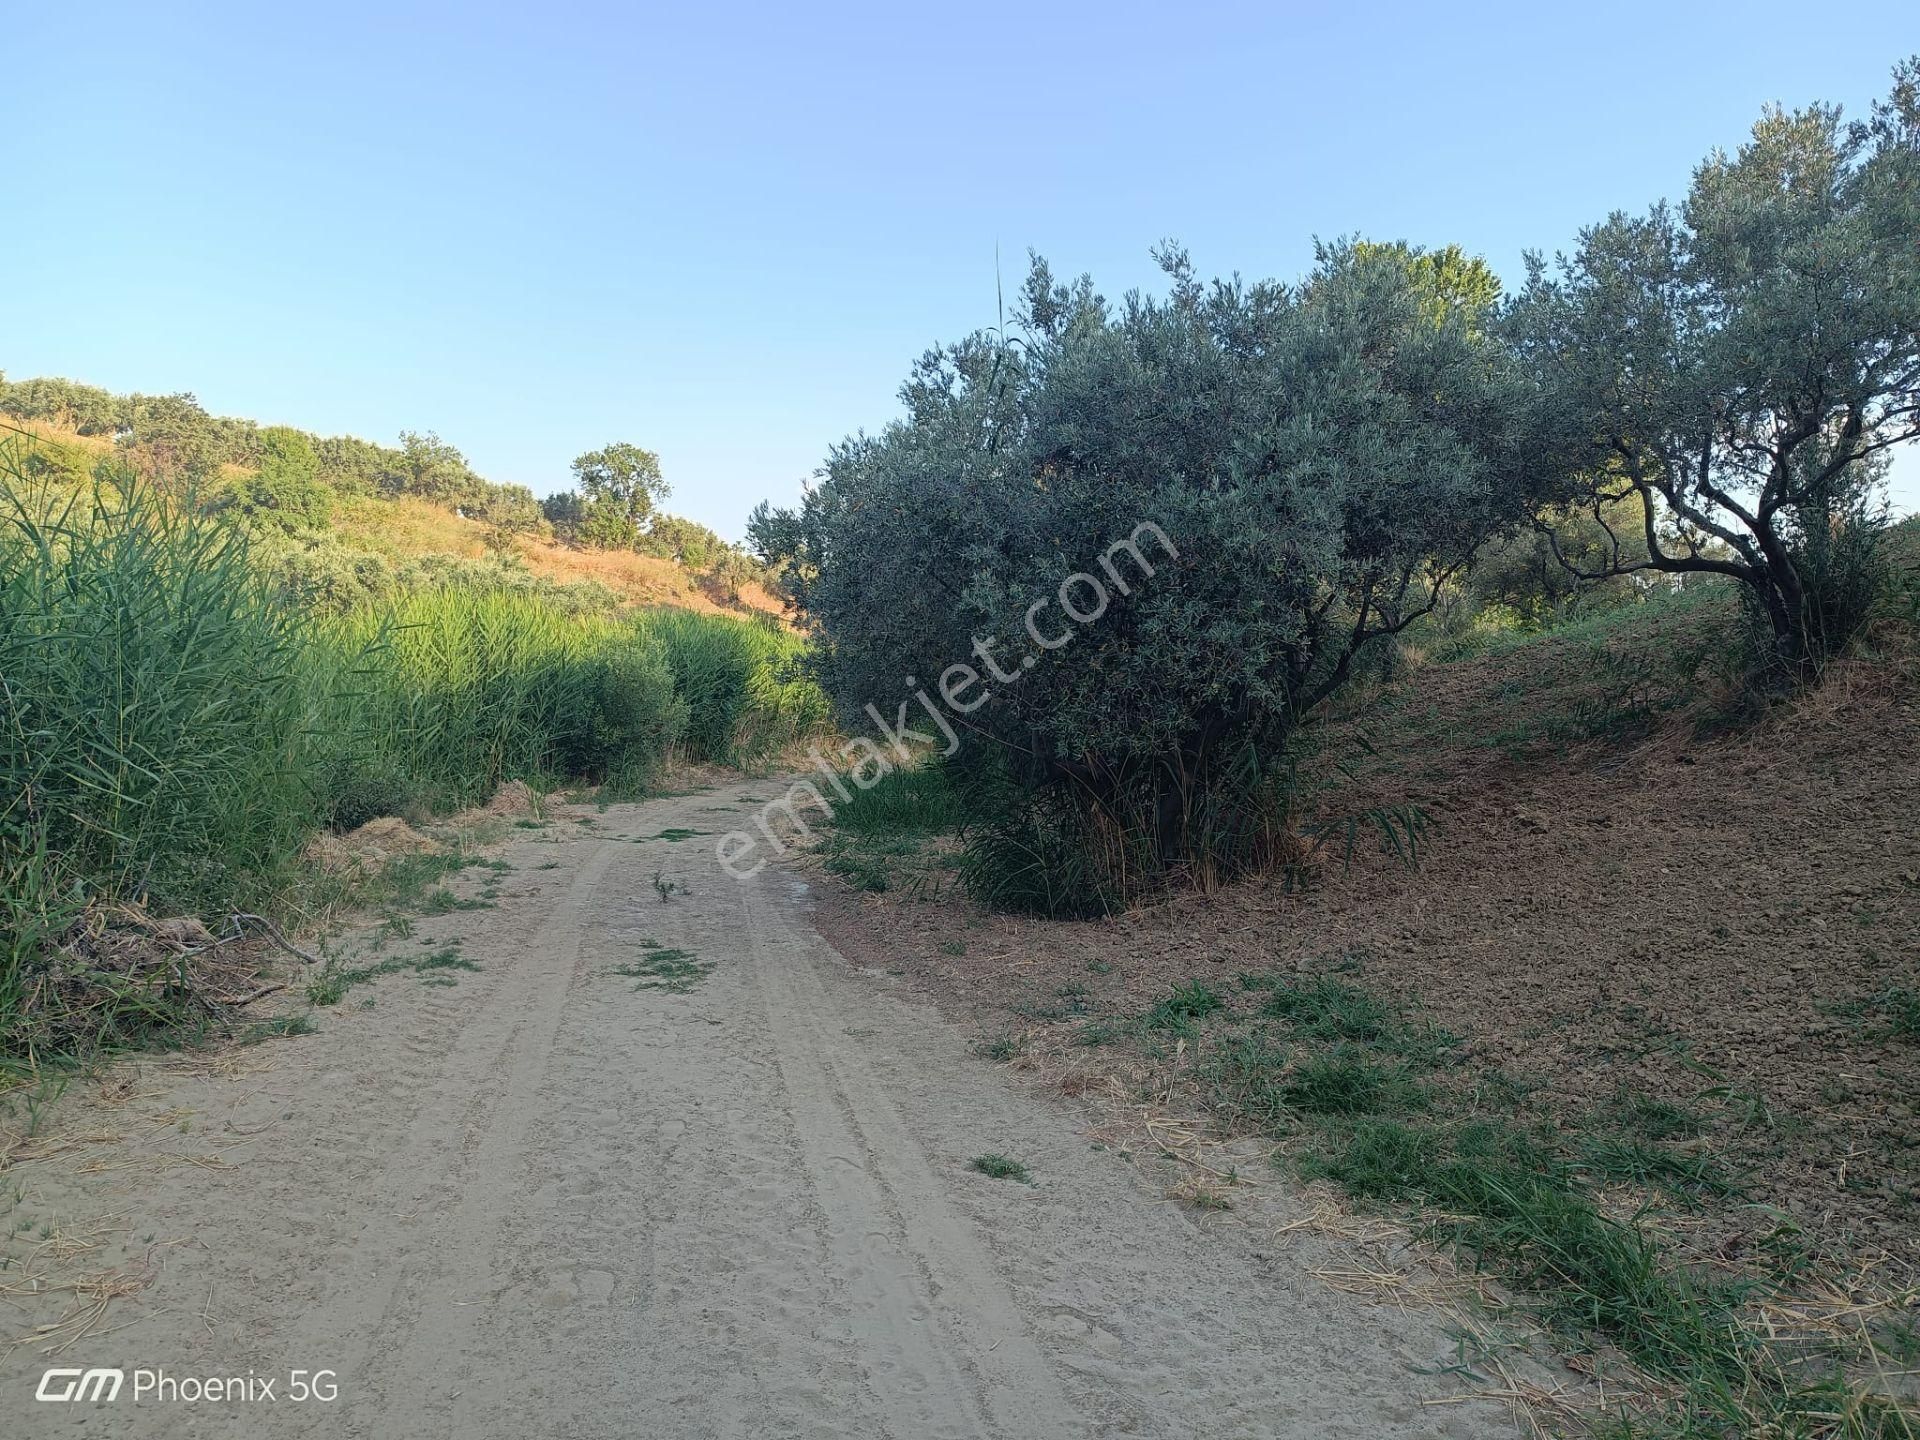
(599, 522)
(321, 571)
(741, 683)
(285, 490)
(1240, 486)
(174, 726)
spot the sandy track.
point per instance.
(542, 1203)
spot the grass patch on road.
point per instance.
(330, 987)
(413, 883)
(1001, 1167)
(665, 967)
(998, 1048)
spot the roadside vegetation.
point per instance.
(176, 724)
(1594, 1217)
(889, 837)
(1643, 1213)
(1556, 652)
(1262, 493)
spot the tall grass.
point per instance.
(153, 730)
(153, 703)
(920, 801)
(447, 692)
(174, 725)
(741, 682)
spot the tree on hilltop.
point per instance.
(619, 487)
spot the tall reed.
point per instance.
(446, 692)
(742, 682)
(174, 725)
(154, 724)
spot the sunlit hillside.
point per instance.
(405, 527)
(400, 528)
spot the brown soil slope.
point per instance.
(1618, 893)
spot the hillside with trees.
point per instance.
(342, 518)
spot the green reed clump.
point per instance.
(175, 725)
(447, 692)
(154, 702)
(742, 683)
(154, 730)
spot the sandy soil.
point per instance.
(542, 1201)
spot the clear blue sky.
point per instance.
(725, 232)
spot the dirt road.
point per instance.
(541, 1201)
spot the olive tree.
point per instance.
(429, 467)
(1735, 369)
(1259, 479)
(171, 436)
(730, 567)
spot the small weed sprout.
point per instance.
(1001, 1167)
(1000, 1048)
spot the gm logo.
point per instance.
(60, 1384)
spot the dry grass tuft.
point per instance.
(92, 1296)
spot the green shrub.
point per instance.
(153, 722)
(353, 794)
(917, 801)
(741, 683)
(1840, 552)
(285, 492)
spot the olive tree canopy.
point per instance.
(1736, 367)
(1318, 457)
